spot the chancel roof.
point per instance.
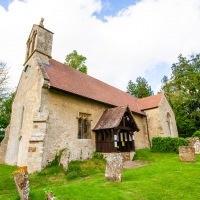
(67, 79)
(150, 102)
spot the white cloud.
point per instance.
(137, 40)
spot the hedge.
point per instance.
(167, 144)
(196, 134)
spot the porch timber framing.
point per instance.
(119, 138)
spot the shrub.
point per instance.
(167, 144)
(184, 135)
(97, 155)
(196, 134)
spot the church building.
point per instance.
(58, 107)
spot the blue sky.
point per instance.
(5, 3)
(112, 7)
(121, 39)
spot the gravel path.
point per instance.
(134, 164)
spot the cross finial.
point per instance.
(41, 22)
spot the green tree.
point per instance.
(76, 61)
(5, 113)
(183, 92)
(139, 89)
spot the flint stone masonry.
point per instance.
(187, 154)
(194, 142)
(114, 167)
(22, 182)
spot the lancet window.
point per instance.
(84, 123)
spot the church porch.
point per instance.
(115, 131)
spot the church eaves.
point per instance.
(67, 79)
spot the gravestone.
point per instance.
(22, 182)
(50, 196)
(187, 154)
(194, 142)
(64, 159)
(114, 167)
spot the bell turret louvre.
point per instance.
(40, 40)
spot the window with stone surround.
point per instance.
(84, 124)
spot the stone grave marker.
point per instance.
(187, 154)
(22, 182)
(114, 167)
(194, 142)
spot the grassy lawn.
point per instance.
(165, 178)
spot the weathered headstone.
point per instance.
(22, 182)
(50, 196)
(187, 154)
(64, 159)
(194, 142)
(114, 167)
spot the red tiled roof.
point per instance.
(150, 102)
(70, 80)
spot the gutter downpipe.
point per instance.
(148, 130)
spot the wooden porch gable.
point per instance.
(115, 131)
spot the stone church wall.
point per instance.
(161, 120)
(141, 137)
(25, 106)
(167, 119)
(62, 126)
(154, 124)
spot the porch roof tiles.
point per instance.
(111, 118)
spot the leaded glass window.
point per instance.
(84, 126)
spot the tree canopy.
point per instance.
(3, 78)
(76, 61)
(182, 89)
(139, 89)
(5, 113)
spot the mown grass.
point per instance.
(165, 178)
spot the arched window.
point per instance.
(84, 131)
